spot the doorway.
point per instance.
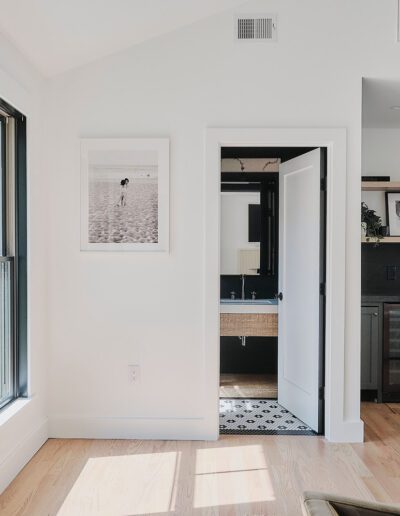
(272, 207)
(337, 427)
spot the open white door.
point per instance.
(299, 352)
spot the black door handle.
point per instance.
(280, 296)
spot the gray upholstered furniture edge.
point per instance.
(319, 504)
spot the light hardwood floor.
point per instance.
(237, 475)
(248, 386)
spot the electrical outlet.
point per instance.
(134, 373)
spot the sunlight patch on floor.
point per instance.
(232, 475)
(127, 484)
(230, 458)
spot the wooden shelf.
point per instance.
(380, 186)
(385, 240)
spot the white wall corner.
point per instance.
(22, 453)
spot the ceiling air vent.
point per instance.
(256, 28)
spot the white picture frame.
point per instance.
(124, 194)
(393, 212)
(398, 21)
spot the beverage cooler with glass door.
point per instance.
(391, 353)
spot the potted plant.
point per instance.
(371, 224)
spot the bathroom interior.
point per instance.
(249, 284)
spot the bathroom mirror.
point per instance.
(240, 230)
(249, 218)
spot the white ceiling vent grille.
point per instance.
(256, 28)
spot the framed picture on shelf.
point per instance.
(393, 212)
(125, 194)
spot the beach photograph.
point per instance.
(123, 197)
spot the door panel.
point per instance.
(299, 280)
(369, 347)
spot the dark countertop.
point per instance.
(380, 299)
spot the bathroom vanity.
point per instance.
(249, 318)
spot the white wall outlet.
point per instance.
(133, 373)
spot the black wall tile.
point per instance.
(380, 269)
(265, 286)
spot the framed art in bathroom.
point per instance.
(393, 212)
(125, 194)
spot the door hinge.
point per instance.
(321, 393)
(323, 184)
(322, 289)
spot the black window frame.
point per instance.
(19, 307)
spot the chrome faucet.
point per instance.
(243, 278)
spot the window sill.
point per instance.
(12, 409)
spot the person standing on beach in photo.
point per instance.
(123, 192)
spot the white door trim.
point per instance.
(334, 139)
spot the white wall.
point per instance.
(235, 228)
(110, 310)
(22, 433)
(380, 157)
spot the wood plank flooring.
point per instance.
(248, 386)
(237, 475)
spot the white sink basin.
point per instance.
(248, 306)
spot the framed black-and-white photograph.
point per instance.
(393, 212)
(125, 194)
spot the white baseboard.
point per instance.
(76, 427)
(130, 428)
(21, 453)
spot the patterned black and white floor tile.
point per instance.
(258, 416)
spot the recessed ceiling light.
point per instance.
(395, 108)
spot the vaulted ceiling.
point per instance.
(57, 35)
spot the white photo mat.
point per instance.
(124, 194)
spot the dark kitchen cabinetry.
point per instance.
(380, 284)
(380, 348)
